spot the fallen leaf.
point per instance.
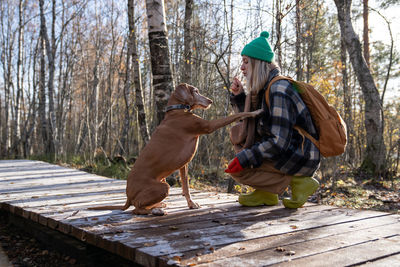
(280, 249)
(293, 226)
(340, 182)
(290, 253)
(173, 228)
(149, 244)
(176, 258)
(242, 248)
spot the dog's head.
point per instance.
(189, 95)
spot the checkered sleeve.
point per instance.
(282, 119)
(290, 152)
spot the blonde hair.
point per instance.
(259, 74)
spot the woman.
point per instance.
(279, 155)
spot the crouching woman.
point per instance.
(273, 155)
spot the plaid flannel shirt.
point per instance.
(290, 152)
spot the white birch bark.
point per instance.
(160, 56)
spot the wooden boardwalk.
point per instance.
(221, 233)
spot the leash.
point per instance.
(180, 106)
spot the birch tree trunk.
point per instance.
(278, 27)
(374, 159)
(50, 51)
(8, 36)
(187, 43)
(124, 147)
(17, 114)
(160, 56)
(366, 32)
(299, 69)
(42, 83)
(30, 123)
(137, 79)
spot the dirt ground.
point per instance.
(23, 249)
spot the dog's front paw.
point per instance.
(257, 112)
(193, 205)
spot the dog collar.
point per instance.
(179, 106)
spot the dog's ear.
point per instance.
(183, 94)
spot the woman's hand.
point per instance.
(236, 86)
(234, 166)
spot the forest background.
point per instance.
(85, 83)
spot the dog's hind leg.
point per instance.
(149, 199)
(185, 187)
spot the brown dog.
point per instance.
(171, 147)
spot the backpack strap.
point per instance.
(301, 131)
(276, 78)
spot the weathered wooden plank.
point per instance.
(355, 254)
(391, 260)
(52, 184)
(228, 212)
(144, 222)
(166, 240)
(58, 209)
(58, 197)
(302, 243)
(223, 234)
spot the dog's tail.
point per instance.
(124, 207)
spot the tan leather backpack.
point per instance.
(329, 125)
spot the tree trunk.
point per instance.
(347, 103)
(299, 69)
(124, 147)
(160, 56)
(278, 26)
(366, 32)
(137, 79)
(42, 83)
(374, 160)
(30, 122)
(312, 43)
(47, 49)
(187, 43)
(17, 114)
(6, 60)
(94, 100)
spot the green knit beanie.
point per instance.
(259, 48)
